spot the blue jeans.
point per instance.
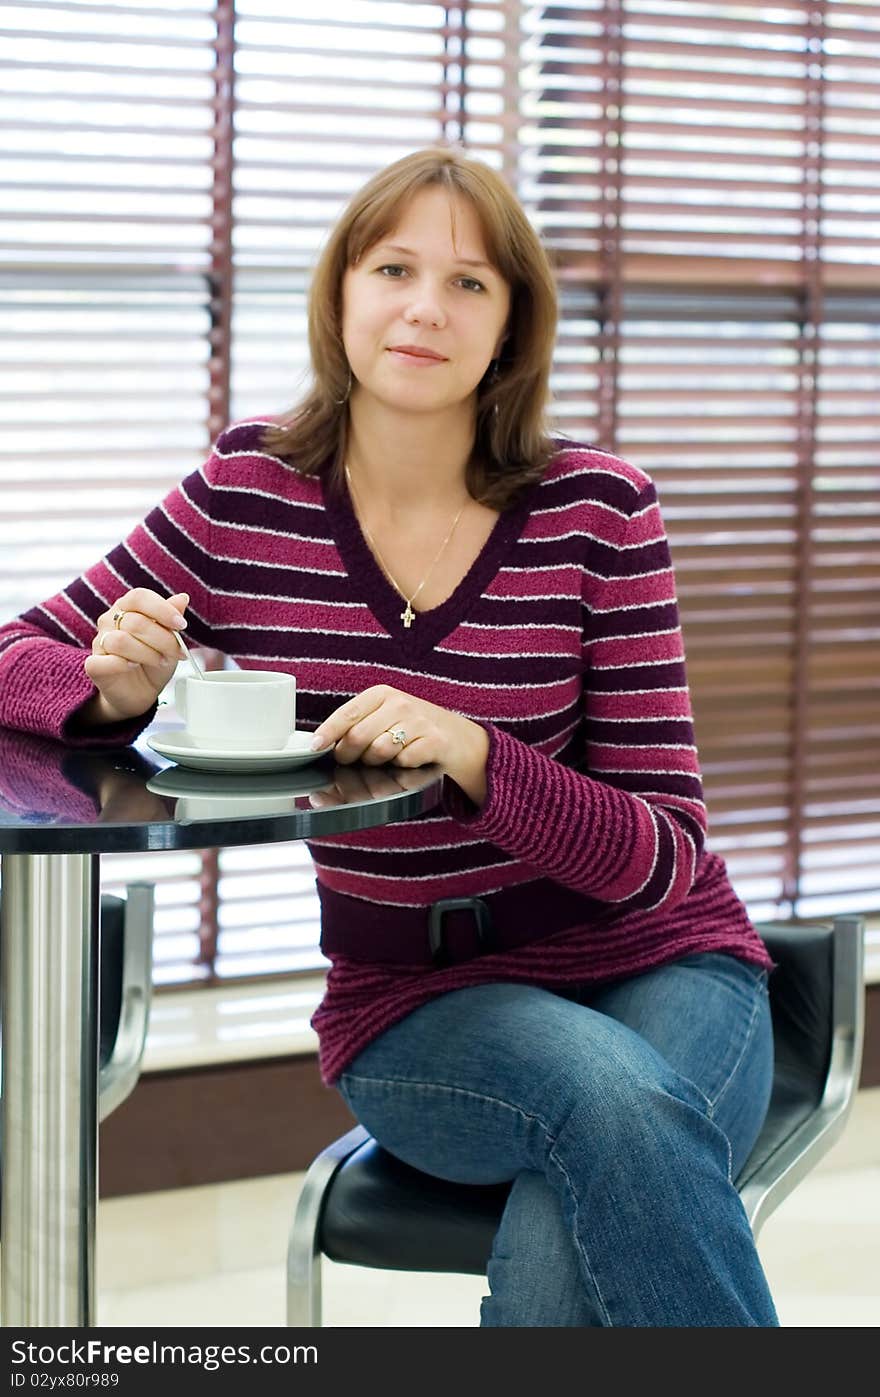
(622, 1114)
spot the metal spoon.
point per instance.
(188, 655)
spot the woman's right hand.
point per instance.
(131, 663)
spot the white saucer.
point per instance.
(215, 795)
(246, 787)
(179, 747)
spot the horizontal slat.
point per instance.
(162, 39)
(113, 70)
(146, 100)
(118, 10)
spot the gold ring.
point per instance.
(101, 642)
(398, 736)
(117, 619)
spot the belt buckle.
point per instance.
(438, 910)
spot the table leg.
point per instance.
(49, 929)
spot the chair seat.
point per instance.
(384, 1213)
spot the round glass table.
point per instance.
(60, 809)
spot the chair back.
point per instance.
(817, 1002)
(802, 1005)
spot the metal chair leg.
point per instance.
(303, 1249)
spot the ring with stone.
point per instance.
(398, 736)
(117, 619)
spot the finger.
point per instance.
(150, 603)
(143, 628)
(349, 714)
(350, 784)
(409, 780)
(371, 740)
(354, 744)
(101, 637)
(100, 666)
(386, 744)
(380, 782)
(324, 800)
(142, 601)
(161, 642)
(418, 752)
(127, 646)
(381, 750)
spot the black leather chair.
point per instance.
(361, 1205)
(124, 991)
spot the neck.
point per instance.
(402, 462)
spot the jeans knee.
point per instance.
(646, 1128)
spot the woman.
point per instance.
(548, 980)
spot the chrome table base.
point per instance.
(49, 936)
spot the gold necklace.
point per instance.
(407, 616)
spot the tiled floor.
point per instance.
(215, 1256)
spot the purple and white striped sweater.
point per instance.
(563, 640)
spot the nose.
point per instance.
(425, 308)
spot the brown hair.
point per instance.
(512, 444)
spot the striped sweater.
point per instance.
(562, 640)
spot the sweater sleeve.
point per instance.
(42, 652)
(629, 828)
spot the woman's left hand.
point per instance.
(383, 724)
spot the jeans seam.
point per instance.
(459, 1091)
(712, 1105)
(576, 1238)
(746, 1041)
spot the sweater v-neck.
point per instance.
(386, 603)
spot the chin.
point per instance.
(410, 399)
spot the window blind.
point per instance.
(107, 152)
(704, 176)
(106, 149)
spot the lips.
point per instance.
(418, 351)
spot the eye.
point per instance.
(470, 283)
(392, 270)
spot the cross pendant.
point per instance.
(408, 616)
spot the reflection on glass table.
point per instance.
(203, 795)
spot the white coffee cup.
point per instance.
(232, 807)
(238, 710)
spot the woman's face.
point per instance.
(423, 312)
